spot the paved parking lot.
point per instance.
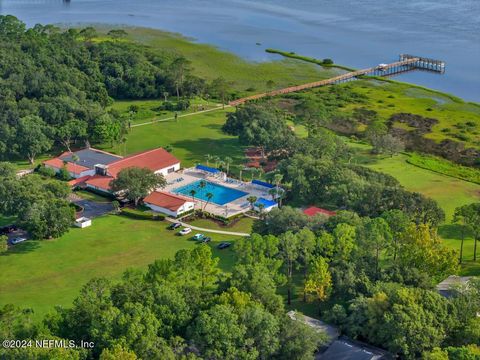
(94, 209)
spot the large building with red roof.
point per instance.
(98, 168)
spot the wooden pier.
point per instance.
(406, 63)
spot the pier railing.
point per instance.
(405, 63)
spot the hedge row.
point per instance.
(445, 167)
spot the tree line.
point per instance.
(181, 308)
(56, 85)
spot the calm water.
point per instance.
(352, 32)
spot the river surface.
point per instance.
(356, 33)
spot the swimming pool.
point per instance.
(221, 194)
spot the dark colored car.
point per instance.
(7, 229)
(207, 239)
(174, 226)
(223, 245)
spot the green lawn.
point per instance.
(88, 195)
(191, 138)
(148, 109)
(42, 274)
(6, 220)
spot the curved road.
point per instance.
(206, 230)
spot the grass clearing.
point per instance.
(42, 274)
(191, 138)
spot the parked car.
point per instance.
(207, 239)
(224, 245)
(17, 240)
(185, 231)
(174, 226)
(7, 229)
(199, 237)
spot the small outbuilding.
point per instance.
(83, 222)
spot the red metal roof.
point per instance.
(71, 167)
(80, 180)
(166, 200)
(99, 181)
(312, 211)
(154, 160)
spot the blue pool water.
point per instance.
(221, 195)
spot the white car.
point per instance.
(18, 240)
(185, 231)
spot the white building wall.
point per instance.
(184, 208)
(165, 171)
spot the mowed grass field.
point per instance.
(191, 137)
(42, 274)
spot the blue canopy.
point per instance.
(263, 183)
(266, 203)
(207, 168)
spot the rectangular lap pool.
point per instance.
(221, 194)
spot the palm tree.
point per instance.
(228, 161)
(260, 208)
(240, 168)
(201, 185)
(192, 194)
(252, 200)
(277, 178)
(216, 159)
(272, 193)
(208, 157)
(209, 197)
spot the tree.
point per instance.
(117, 33)
(227, 161)
(387, 144)
(319, 280)
(32, 139)
(219, 88)
(47, 218)
(218, 334)
(289, 252)
(378, 236)
(422, 249)
(179, 68)
(306, 246)
(299, 341)
(398, 221)
(252, 200)
(71, 130)
(137, 182)
(88, 33)
(118, 353)
(459, 218)
(471, 217)
(209, 197)
(208, 157)
(312, 114)
(192, 193)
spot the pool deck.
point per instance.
(238, 206)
